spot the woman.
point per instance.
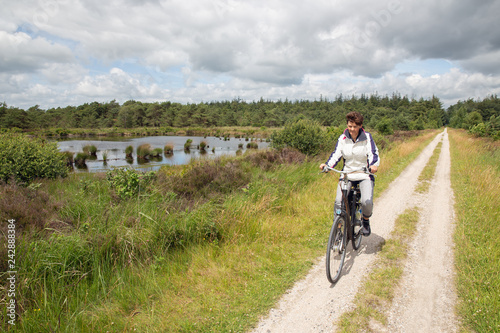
(358, 150)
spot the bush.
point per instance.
(472, 119)
(29, 207)
(478, 130)
(24, 159)
(128, 182)
(305, 135)
(385, 127)
(203, 145)
(269, 158)
(205, 178)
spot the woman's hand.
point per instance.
(373, 169)
(321, 166)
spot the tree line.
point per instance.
(481, 118)
(385, 113)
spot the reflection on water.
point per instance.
(115, 150)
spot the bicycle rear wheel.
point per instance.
(336, 250)
(357, 234)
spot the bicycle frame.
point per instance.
(348, 206)
(343, 228)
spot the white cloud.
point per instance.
(21, 53)
(204, 50)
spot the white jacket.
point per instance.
(359, 154)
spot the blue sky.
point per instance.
(69, 52)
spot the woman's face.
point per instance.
(353, 129)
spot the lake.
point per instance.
(114, 147)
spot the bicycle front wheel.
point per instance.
(336, 250)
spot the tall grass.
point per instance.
(475, 174)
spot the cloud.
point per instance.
(21, 53)
(200, 50)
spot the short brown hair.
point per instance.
(355, 117)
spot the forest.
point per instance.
(383, 113)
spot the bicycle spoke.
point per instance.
(336, 250)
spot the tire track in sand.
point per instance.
(425, 300)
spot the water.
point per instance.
(115, 149)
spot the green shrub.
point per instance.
(128, 182)
(305, 135)
(490, 128)
(24, 159)
(203, 145)
(385, 127)
(478, 130)
(472, 119)
(417, 124)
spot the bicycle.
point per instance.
(346, 225)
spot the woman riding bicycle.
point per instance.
(359, 150)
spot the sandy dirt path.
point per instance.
(425, 300)
(313, 304)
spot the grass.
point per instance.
(177, 259)
(379, 286)
(429, 170)
(144, 151)
(475, 174)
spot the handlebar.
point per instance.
(326, 169)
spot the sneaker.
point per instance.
(366, 228)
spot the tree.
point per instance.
(385, 127)
(472, 119)
(457, 119)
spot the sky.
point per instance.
(55, 53)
